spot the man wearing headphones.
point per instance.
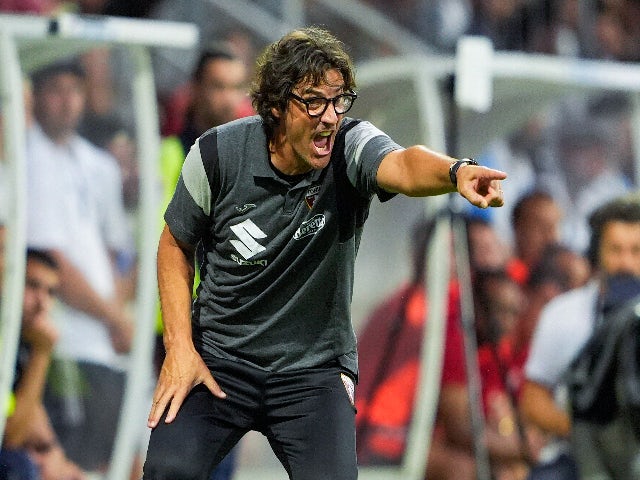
(565, 325)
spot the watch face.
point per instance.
(455, 166)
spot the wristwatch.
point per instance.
(455, 166)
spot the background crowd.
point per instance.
(567, 161)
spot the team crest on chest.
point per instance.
(312, 194)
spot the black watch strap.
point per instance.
(455, 166)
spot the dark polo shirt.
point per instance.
(279, 253)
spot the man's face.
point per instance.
(39, 290)
(306, 142)
(221, 91)
(539, 227)
(619, 250)
(59, 104)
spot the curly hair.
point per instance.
(304, 55)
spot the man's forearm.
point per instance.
(539, 408)
(76, 292)
(28, 396)
(416, 171)
(175, 285)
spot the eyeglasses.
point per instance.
(316, 106)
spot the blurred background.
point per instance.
(546, 90)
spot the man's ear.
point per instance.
(275, 112)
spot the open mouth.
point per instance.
(322, 142)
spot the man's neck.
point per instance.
(283, 160)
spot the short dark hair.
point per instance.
(43, 74)
(213, 52)
(43, 257)
(525, 201)
(624, 209)
(302, 55)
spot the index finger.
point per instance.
(493, 174)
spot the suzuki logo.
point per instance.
(247, 232)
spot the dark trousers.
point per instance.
(84, 401)
(306, 415)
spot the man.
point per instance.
(278, 202)
(565, 326)
(28, 431)
(76, 214)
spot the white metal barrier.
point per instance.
(35, 41)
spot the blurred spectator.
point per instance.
(500, 20)
(535, 219)
(603, 385)
(76, 214)
(389, 347)
(28, 434)
(560, 270)
(615, 110)
(441, 23)
(216, 94)
(110, 134)
(557, 30)
(513, 154)
(487, 251)
(592, 173)
(565, 326)
(499, 302)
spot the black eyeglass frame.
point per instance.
(307, 101)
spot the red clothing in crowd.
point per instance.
(389, 352)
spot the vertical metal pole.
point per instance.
(428, 388)
(467, 317)
(431, 356)
(133, 416)
(14, 156)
